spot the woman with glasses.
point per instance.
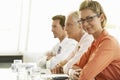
(102, 60)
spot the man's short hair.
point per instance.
(61, 18)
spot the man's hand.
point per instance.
(62, 63)
(49, 55)
(74, 73)
(57, 70)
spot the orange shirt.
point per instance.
(102, 60)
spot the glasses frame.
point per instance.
(88, 19)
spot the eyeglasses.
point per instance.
(88, 19)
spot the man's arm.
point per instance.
(49, 55)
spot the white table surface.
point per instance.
(7, 74)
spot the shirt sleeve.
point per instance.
(65, 51)
(83, 59)
(72, 54)
(81, 48)
(99, 60)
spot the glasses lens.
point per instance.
(88, 19)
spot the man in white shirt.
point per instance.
(64, 47)
(74, 30)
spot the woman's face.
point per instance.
(91, 21)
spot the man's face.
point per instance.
(72, 27)
(56, 28)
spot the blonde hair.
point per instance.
(95, 7)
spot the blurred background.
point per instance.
(25, 25)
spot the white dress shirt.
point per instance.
(43, 63)
(83, 45)
(67, 46)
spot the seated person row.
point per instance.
(63, 48)
(75, 31)
(102, 60)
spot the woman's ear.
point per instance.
(102, 17)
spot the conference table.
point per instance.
(8, 74)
